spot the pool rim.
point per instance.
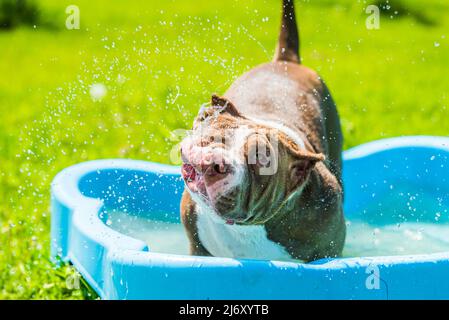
(119, 247)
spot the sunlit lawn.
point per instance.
(160, 60)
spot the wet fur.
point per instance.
(312, 226)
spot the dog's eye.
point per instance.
(259, 153)
(263, 159)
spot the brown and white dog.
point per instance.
(262, 165)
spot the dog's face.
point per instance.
(242, 170)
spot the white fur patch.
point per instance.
(282, 128)
(235, 241)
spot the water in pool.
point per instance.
(362, 239)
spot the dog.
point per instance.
(262, 164)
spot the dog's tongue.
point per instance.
(193, 179)
(188, 172)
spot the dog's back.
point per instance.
(286, 91)
(296, 212)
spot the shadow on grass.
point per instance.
(16, 13)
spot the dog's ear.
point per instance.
(299, 152)
(217, 105)
(303, 161)
(300, 170)
(225, 105)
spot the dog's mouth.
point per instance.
(221, 203)
(194, 179)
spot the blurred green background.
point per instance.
(157, 62)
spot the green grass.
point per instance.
(159, 61)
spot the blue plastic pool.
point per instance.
(120, 267)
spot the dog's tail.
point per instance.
(288, 45)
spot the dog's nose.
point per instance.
(213, 166)
(206, 161)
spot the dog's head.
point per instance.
(242, 169)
